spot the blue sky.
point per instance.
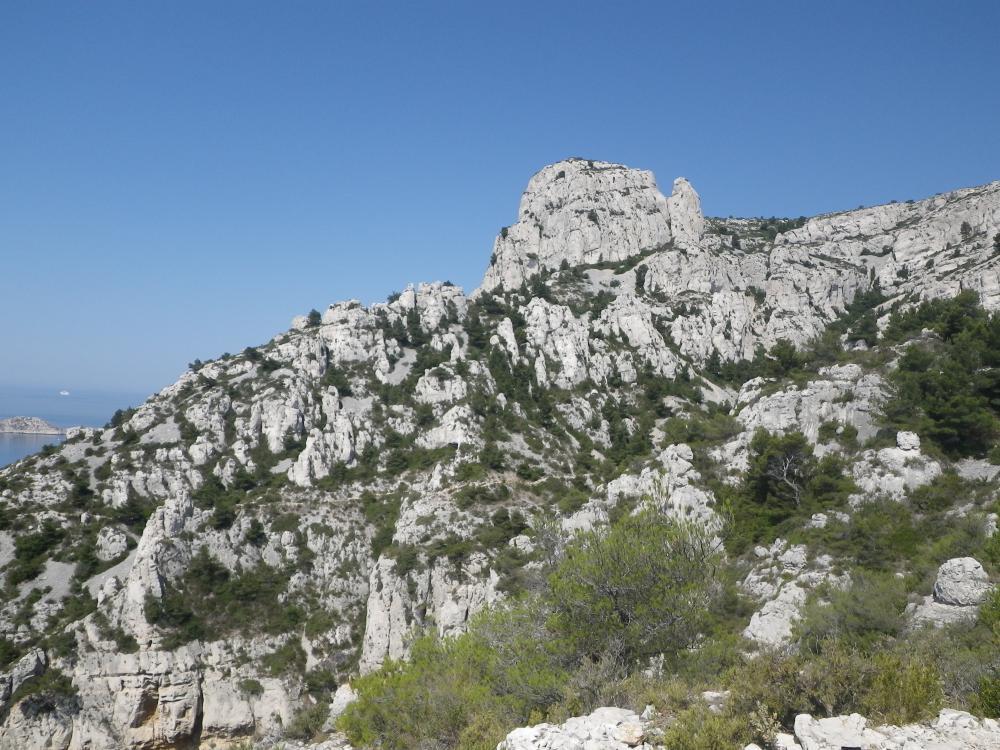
(180, 179)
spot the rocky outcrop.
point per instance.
(581, 212)
(960, 587)
(400, 603)
(782, 578)
(604, 729)
(842, 395)
(619, 729)
(892, 472)
(955, 730)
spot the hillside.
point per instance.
(814, 400)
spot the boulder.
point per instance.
(961, 582)
(833, 733)
(111, 543)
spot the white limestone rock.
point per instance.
(954, 730)
(686, 220)
(962, 582)
(893, 472)
(673, 489)
(844, 394)
(604, 729)
(960, 587)
(439, 594)
(582, 212)
(111, 543)
(772, 625)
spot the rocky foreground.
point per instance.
(216, 566)
(620, 729)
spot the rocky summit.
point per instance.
(259, 548)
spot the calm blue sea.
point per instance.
(86, 408)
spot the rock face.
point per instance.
(618, 729)
(379, 470)
(842, 395)
(585, 212)
(782, 579)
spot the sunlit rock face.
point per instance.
(581, 212)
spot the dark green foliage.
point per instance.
(481, 494)
(134, 512)
(308, 722)
(314, 318)
(321, 683)
(30, 551)
(125, 643)
(209, 602)
(121, 416)
(45, 693)
(948, 389)
(640, 278)
(868, 612)
(289, 658)
(80, 494)
(8, 652)
(336, 378)
(783, 486)
(859, 320)
(644, 587)
(491, 457)
(381, 512)
(528, 656)
(251, 687)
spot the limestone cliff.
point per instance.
(281, 519)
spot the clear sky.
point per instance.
(178, 179)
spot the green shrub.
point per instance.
(209, 602)
(31, 550)
(988, 697)
(698, 728)
(870, 609)
(783, 486)
(902, 690)
(308, 722)
(251, 687)
(463, 692)
(46, 692)
(641, 588)
(287, 658)
(945, 390)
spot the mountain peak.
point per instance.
(581, 211)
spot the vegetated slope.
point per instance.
(214, 564)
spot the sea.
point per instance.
(62, 407)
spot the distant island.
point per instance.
(29, 426)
